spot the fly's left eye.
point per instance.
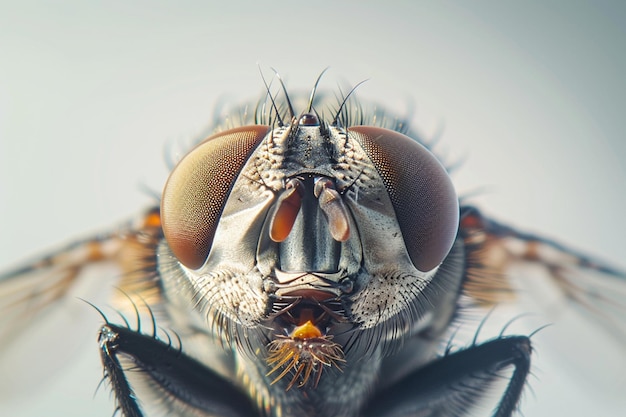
(423, 197)
(197, 190)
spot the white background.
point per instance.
(532, 95)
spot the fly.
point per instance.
(309, 258)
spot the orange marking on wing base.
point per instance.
(471, 222)
(95, 252)
(152, 219)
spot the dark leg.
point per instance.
(452, 384)
(178, 381)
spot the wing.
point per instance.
(43, 321)
(577, 280)
(581, 298)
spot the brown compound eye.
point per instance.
(422, 194)
(198, 187)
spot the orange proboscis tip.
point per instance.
(306, 331)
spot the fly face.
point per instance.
(309, 242)
(305, 265)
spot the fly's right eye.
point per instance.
(198, 188)
(422, 194)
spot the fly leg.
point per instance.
(451, 385)
(172, 380)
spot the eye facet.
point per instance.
(198, 187)
(423, 197)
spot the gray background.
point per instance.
(532, 95)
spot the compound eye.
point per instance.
(197, 190)
(422, 194)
